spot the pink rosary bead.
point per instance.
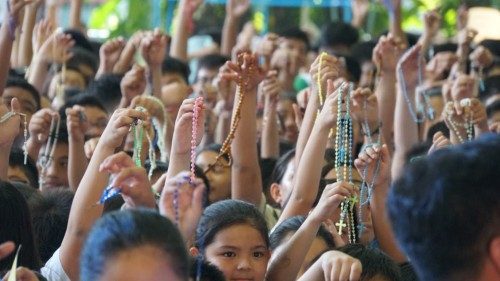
(198, 105)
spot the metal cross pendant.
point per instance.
(341, 224)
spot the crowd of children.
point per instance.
(288, 157)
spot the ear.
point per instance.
(494, 252)
(275, 192)
(194, 252)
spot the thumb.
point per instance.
(15, 105)
(458, 107)
(330, 88)
(198, 195)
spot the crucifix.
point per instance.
(341, 224)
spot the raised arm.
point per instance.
(246, 183)
(85, 210)
(154, 50)
(386, 55)
(109, 54)
(183, 28)
(75, 13)
(305, 187)
(77, 162)
(9, 129)
(287, 260)
(367, 165)
(270, 142)
(235, 9)
(432, 23)
(405, 126)
(25, 44)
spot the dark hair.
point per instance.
(492, 45)
(214, 147)
(212, 61)
(445, 209)
(362, 51)
(16, 159)
(207, 271)
(293, 224)
(445, 47)
(125, 230)
(493, 108)
(29, 193)
(174, 66)
(80, 39)
(353, 68)
(296, 33)
(374, 262)
(82, 99)
(83, 57)
(50, 213)
(224, 214)
(338, 33)
(280, 167)
(19, 82)
(437, 127)
(492, 87)
(107, 90)
(15, 226)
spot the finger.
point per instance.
(122, 179)
(356, 270)
(121, 159)
(344, 272)
(6, 249)
(15, 105)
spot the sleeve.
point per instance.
(53, 270)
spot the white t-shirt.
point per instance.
(53, 270)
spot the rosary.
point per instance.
(467, 124)
(242, 87)
(343, 159)
(50, 147)
(426, 104)
(198, 105)
(10, 114)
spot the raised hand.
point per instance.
(133, 84)
(182, 202)
(339, 266)
(14, 9)
(183, 127)
(330, 200)
(360, 9)
(154, 48)
(6, 249)
(41, 32)
(432, 23)
(439, 65)
(119, 125)
(56, 48)
(90, 146)
(328, 114)
(237, 8)
(10, 127)
(461, 88)
(481, 57)
(77, 123)
(439, 141)
(155, 107)
(330, 70)
(267, 46)
(361, 98)
(39, 124)
(23, 274)
(109, 54)
(368, 159)
(132, 181)
(270, 87)
(386, 54)
(247, 69)
(465, 36)
(409, 65)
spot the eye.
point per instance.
(229, 254)
(258, 254)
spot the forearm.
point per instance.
(386, 96)
(315, 272)
(381, 225)
(75, 14)
(126, 59)
(287, 260)
(405, 130)
(307, 126)
(77, 163)
(395, 26)
(229, 34)
(26, 47)
(178, 48)
(38, 73)
(4, 162)
(245, 168)
(223, 127)
(270, 143)
(33, 148)
(178, 162)
(51, 14)
(155, 74)
(6, 46)
(84, 211)
(305, 187)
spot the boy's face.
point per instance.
(28, 103)
(56, 173)
(174, 90)
(97, 119)
(296, 46)
(203, 86)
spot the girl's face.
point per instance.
(141, 263)
(240, 252)
(289, 128)
(218, 176)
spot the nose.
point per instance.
(244, 263)
(52, 169)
